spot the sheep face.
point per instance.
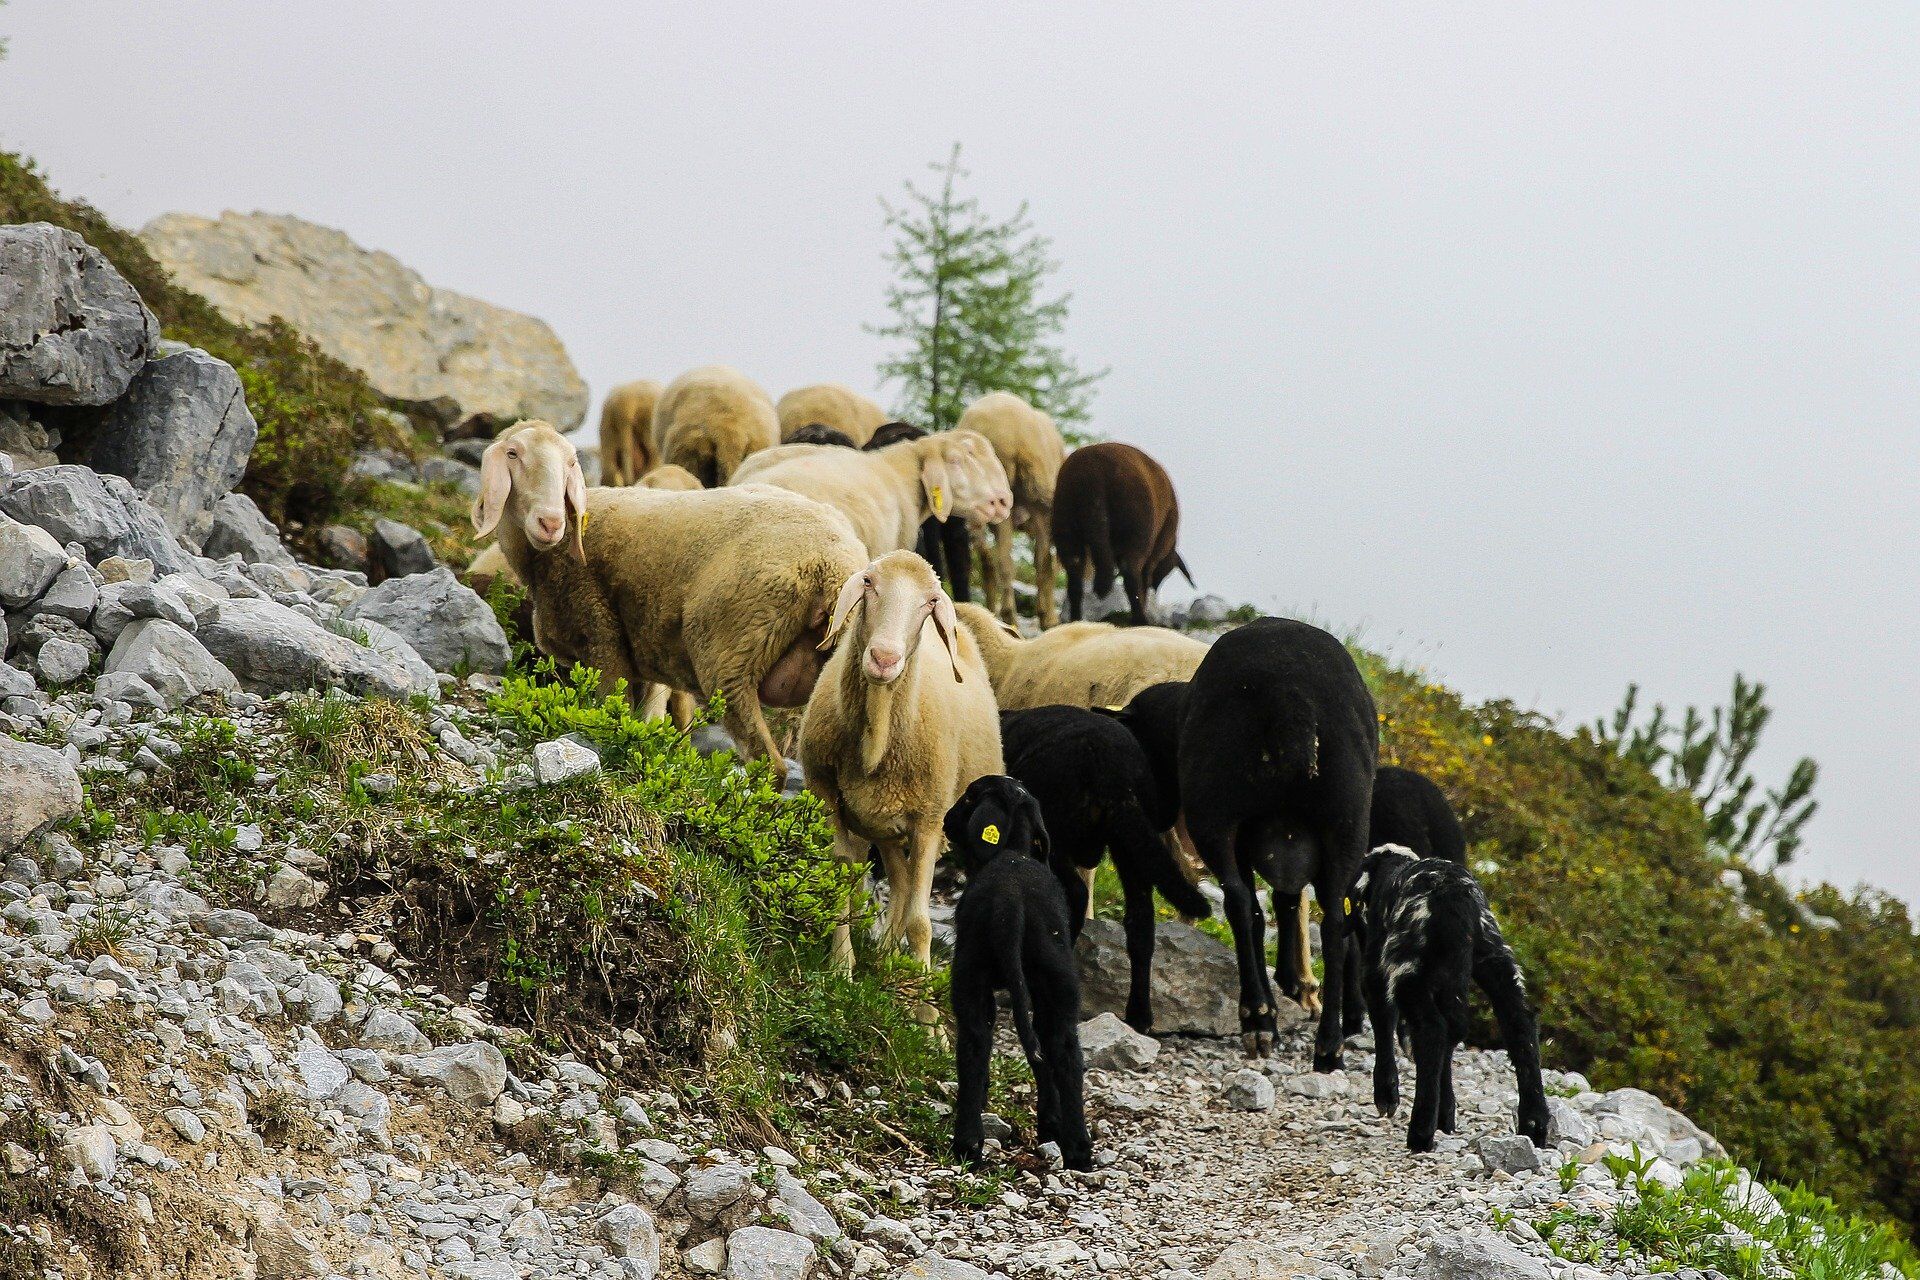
(532, 475)
(964, 474)
(894, 598)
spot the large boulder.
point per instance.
(101, 513)
(445, 622)
(272, 648)
(240, 528)
(413, 341)
(1196, 984)
(30, 560)
(182, 434)
(72, 330)
(37, 789)
(170, 659)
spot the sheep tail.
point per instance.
(1019, 999)
(1099, 540)
(1180, 563)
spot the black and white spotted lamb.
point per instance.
(1012, 933)
(1426, 936)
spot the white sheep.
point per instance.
(1031, 450)
(893, 734)
(670, 476)
(710, 418)
(887, 493)
(626, 432)
(1078, 664)
(830, 405)
(719, 589)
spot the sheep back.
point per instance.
(1029, 445)
(1079, 664)
(626, 431)
(709, 419)
(830, 405)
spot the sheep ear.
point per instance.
(496, 482)
(1042, 843)
(852, 591)
(946, 623)
(938, 484)
(577, 500)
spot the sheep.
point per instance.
(672, 477)
(947, 545)
(1078, 664)
(1270, 752)
(1011, 932)
(722, 590)
(1412, 812)
(1114, 506)
(1031, 450)
(626, 432)
(710, 418)
(890, 738)
(1426, 933)
(1098, 795)
(828, 404)
(814, 433)
(887, 493)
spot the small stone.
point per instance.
(708, 1258)
(763, 1253)
(1248, 1090)
(1507, 1153)
(91, 1149)
(291, 889)
(562, 760)
(1107, 1043)
(1478, 1257)
(714, 1188)
(473, 1074)
(1332, 1084)
(186, 1124)
(630, 1231)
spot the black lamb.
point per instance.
(1426, 934)
(1410, 810)
(1012, 933)
(821, 433)
(1271, 750)
(1098, 796)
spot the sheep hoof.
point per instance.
(1309, 1000)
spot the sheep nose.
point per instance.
(550, 527)
(885, 658)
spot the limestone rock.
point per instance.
(1195, 981)
(1248, 1090)
(240, 528)
(1108, 1043)
(446, 623)
(563, 760)
(414, 342)
(72, 330)
(272, 648)
(102, 513)
(182, 435)
(30, 561)
(1478, 1257)
(37, 789)
(473, 1073)
(763, 1253)
(170, 660)
(396, 550)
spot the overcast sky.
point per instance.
(1552, 346)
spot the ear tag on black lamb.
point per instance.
(990, 834)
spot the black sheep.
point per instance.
(1271, 750)
(1013, 933)
(1098, 796)
(821, 433)
(1411, 811)
(1426, 934)
(947, 545)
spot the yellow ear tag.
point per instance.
(939, 500)
(583, 524)
(1346, 905)
(990, 834)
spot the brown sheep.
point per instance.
(828, 404)
(626, 432)
(1030, 448)
(709, 419)
(718, 589)
(1114, 507)
(670, 477)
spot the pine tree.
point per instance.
(969, 308)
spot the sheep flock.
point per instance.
(808, 553)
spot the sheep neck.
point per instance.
(906, 460)
(536, 569)
(876, 708)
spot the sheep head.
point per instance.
(895, 597)
(960, 472)
(531, 475)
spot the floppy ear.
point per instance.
(938, 484)
(954, 825)
(852, 591)
(576, 499)
(1042, 844)
(946, 624)
(496, 482)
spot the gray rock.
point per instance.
(630, 1231)
(1507, 1153)
(38, 788)
(186, 1124)
(72, 330)
(272, 648)
(1565, 1123)
(42, 627)
(1195, 981)
(802, 1211)
(443, 619)
(170, 659)
(30, 560)
(447, 471)
(763, 1253)
(343, 548)
(125, 686)
(320, 1003)
(182, 435)
(322, 1075)
(91, 1149)
(1634, 1115)
(72, 596)
(61, 662)
(121, 602)
(291, 889)
(385, 1029)
(102, 513)
(708, 1258)
(1109, 1044)
(1478, 1257)
(935, 1266)
(563, 760)
(714, 1188)
(239, 528)
(473, 1074)
(1318, 1085)
(1248, 1090)
(15, 683)
(891, 1233)
(122, 569)
(1207, 611)
(27, 443)
(396, 550)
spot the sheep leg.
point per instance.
(1330, 1037)
(1138, 888)
(1448, 1103)
(1063, 1065)
(1431, 1048)
(1136, 595)
(1355, 1000)
(974, 1013)
(1076, 568)
(1257, 1028)
(894, 859)
(1386, 1067)
(854, 853)
(923, 853)
(959, 541)
(1497, 974)
(1303, 956)
(1000, 596)
(1040, 525)
(745, 722)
